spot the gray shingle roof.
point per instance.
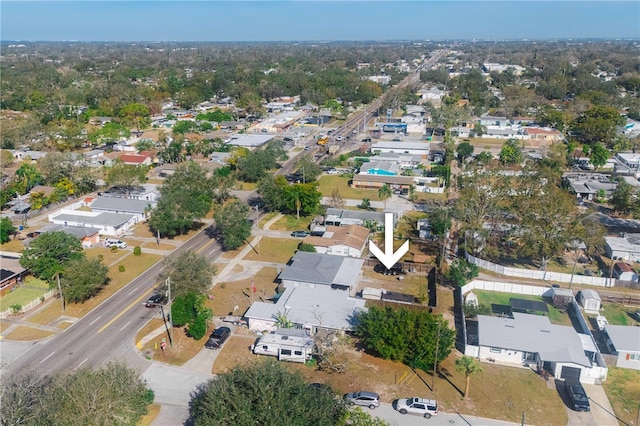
(105, 219)
(532, 333)
(624, 338)
(324, 269)
(114, 204)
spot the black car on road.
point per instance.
(218, 337)
(155, 300)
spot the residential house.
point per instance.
(26, 154)
(12, 273)
(542, 134)
(385, 168)
(142, 159)
(89, 237)
(139, 209)
(500, 132)
(461, 131)
(342, 217)
(316, 269)
(380, 79)
(590, 301)
(398, 184)
(624, 342)
(405, 161)
(628, 162)
(623, 271)
(99, 121)
(532, 340)
(433, 95)
(308, 308)
(494, 121)
(626, 247)
(111, 224)
(347, 240)
(413, 148)
(424, 229)
(590, 186)
(249, 141)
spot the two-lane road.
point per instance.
(106, 332)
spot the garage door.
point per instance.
(570, 374)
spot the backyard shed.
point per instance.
(561, 297)
(590, 301)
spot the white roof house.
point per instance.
(414, 148)
(138, 208)
(310, 308)
(624, 341)
(112, 224)
(249, 141)
(623, 248)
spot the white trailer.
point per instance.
(286, 345)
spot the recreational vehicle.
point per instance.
(286, 344)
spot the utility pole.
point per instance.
(169, 313)
(60, 290)
(435, 361)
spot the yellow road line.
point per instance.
(211, 241)
(135, 302)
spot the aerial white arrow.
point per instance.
(388, 258)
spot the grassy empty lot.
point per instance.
(32, 289)
(228, 295)
(108, 257)
(290, 222)
(623, 390)
(488, 297)
(274, 250)
(14, 246)
(330, 182)
(184, 347)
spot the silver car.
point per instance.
(363, 398)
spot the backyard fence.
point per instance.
(28, 306)
(539, 275)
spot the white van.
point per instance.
(113, 242)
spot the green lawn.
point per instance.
(291, 223)
(616, 314)
(31, 290)
(487, 298)
(623, 390)
(330, 182)
(274, 250)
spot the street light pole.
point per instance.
(169, 313)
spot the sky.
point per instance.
(323, 20)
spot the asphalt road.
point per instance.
(106, 333)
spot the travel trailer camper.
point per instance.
(286, 344)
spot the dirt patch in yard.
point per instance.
(226, 296)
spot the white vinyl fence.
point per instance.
(539, 275)
(30, 305)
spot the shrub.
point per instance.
(100, 257)
(121, 268)
(114, 249)
(137, 251)
(198, 328)
(15, 308)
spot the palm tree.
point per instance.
(385, 193)
(467, 365)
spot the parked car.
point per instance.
(354, 131)
(218, 337)
(338, 138)
(395, 269)
(366, 140)
(299, 234)
(113, 242)
(418, 406)
(577, 396)
(635, 315)
(363, 398)
(155, 300)
(333, 171)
